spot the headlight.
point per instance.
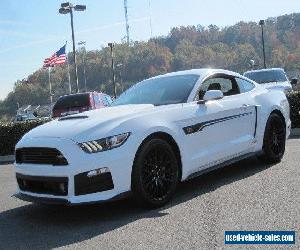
(104, 144)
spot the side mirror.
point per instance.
(294, 81)
(211, 95)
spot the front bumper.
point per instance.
(70, 184)
(62, 201)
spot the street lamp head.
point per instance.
(64, 10)
(261, 22)
(66, 5)
(70, 6)
(80, 7)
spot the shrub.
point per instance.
(294, 100)
(11, 133)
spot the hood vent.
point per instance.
(73, 117)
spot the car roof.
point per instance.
(263, 70)
(201, 72)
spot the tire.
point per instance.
(274, 139)
(155, 174)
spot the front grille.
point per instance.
(50, 156)
(43, 185)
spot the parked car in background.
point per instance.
(78, 103)
(271, 78)
(25, 117)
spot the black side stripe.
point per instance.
(255, 121)
(200, 126)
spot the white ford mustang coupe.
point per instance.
(161, 131)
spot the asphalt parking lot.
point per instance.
(245, 196)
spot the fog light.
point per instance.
(97, 172)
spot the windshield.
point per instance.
(267, 76)
(159, 91)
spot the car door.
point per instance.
(218, 130)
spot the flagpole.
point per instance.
(69, 76)
(50, 86)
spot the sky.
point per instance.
(31, 30)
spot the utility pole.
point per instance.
(84, 63)
(111, 45)
(18, 105)
(126, 21)
(150, 18)
(262, 23)
(120, 68)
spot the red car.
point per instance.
(78, 103)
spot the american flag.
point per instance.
(59, 57)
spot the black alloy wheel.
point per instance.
(155, 174)
(274, 139)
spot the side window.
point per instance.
(106, 100)
(109, 100)
(244, 85)
(97, 101)
(227, 85)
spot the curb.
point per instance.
(7, 159)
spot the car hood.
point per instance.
(88, 124)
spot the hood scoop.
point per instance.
(77, 117)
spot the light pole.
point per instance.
(111, 45)
(18, 105)
(262, 23)
(84, 60)
(120, 68)
(65, 9)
